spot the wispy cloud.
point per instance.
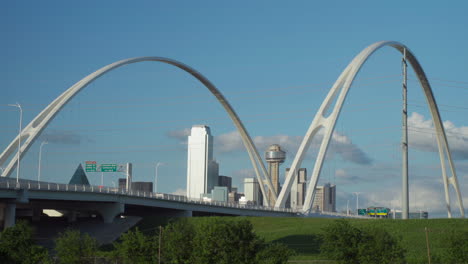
(231, 142)
(64, 137)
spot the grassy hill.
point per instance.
(303, 234)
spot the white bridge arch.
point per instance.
(40, 122)
(340, 89)
(327, 123)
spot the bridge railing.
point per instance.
(59, 187)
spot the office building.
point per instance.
(225, 181)
(325, 198)
(298, 189)
(274, 156)
(252, 191)
(136, 186)
(220, 194)
(202, 170)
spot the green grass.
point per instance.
(303, 234)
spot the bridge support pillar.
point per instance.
(36, 214)
(110, 210)
(71, 216)
(9, 215)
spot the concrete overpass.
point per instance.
(29, 198)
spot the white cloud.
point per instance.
(421, 136)
(340, 145)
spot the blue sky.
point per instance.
(273, 61)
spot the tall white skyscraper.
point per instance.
(202, 170)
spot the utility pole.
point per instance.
(404, 144)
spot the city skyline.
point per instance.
(275, 74)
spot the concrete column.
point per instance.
(9, 215)
(71, 216)
(110, 210)
(36, 214)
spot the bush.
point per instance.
(17, 245)
(348, 244)
(72, 247)
(218, 240)
(457, 248)
(135, 247)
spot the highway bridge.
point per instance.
(30, 198)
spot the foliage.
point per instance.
(135, 247)
(218, 240)
(341, 242)
(457, 248)
(378, 246)
(73, 247)
(301, 234)
(177, 242)
(274, 253)
(18, 246)
(348, 244)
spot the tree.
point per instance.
(218, 240)
(135, 247)
(274, 254)
(457, 247)
(341, 242)
(221, 240)
(72, 247)
(378, 246)
(348, 244)
(18, 246)
(177, 242)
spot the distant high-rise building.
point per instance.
(252, 191)
(220, 194)
(202, 170)
(325, 198)
(298, 188)
(274, 156)
(225, 181)
(136, 186)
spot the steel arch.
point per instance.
(35, 127)
(340, 89)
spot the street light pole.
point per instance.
(357, 200)
(19, 140)
(39, 166)
(1, 168)
(156, 176)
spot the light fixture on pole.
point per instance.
(357, 201)
(39, 165)
(19, 140)
(156, 175)
(1, 168)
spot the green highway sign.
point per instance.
(108, 167)
(90, 166)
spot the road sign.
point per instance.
(108, 167)
(90, 166)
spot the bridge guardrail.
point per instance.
(48, 186)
